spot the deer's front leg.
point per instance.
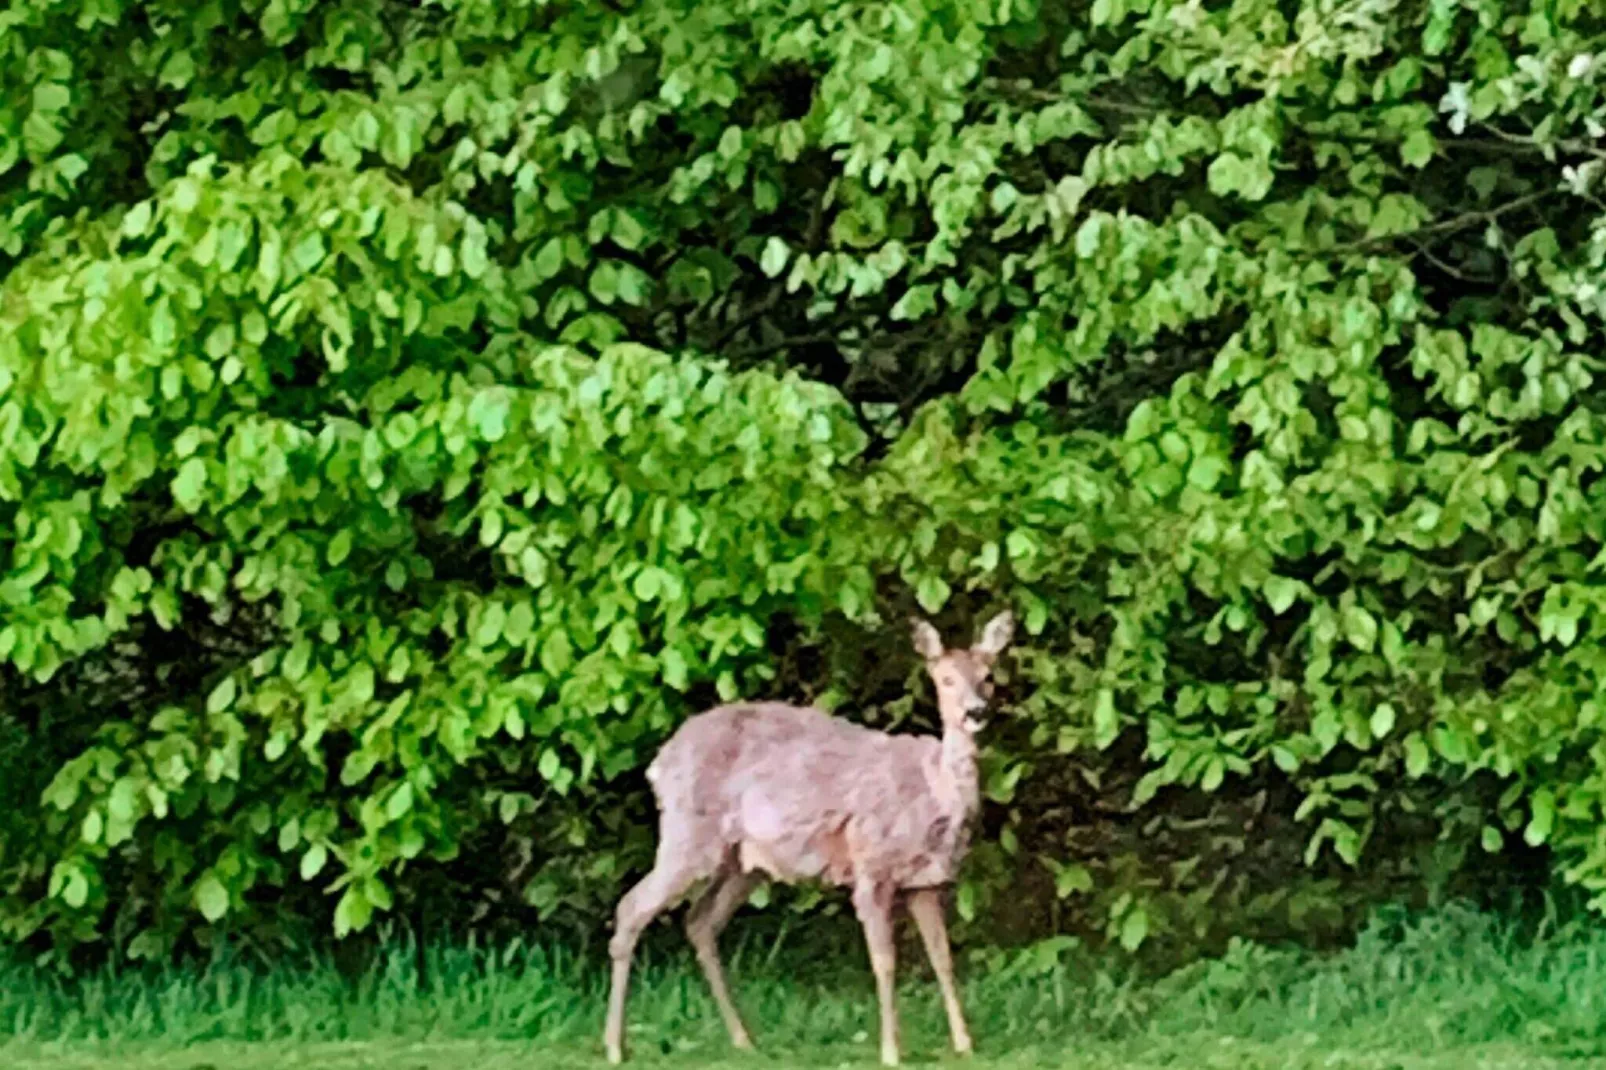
(873, 903)
(926, 906)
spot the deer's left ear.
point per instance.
(927, 642)
(995, 636)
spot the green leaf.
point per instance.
(556, 653)
(966, 900)
(296, 659)
(308, 253)
(520, 624)
(549, 261)
(627, 231)
(916, 303)
(1021, 545)
(773, 262)
(362, 683)
(1226, 174)
(674, 668)
(313, 861)
(1072, 879)
(1280, 593)
(401, 801)
(121, 802)
(189, 484)
(340, 546)
(76, 891)
(1382, 720)
(353, 912)
(178, 70)
(222, 696)
(604, 282)
(632, 284)
(1206, 471)
(1418, 148)
(254, 327)
(1492, 840)
(211, 898)
(932, 593)
(474, 249)
(1106, 722)
(492, 619)
(1416, 755)
(1088, 236)
(489, 411)
(1134, 928)
(51, 96)
(137, 219)
(1360, 628)
(1543, 805)
(647, 584)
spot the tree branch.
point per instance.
(764, 349)
(1577, 146)
(1443, 226)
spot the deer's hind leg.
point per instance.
(676, 869)
(872, 901)
(726, 893)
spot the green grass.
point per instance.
(1450, 990)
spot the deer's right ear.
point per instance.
(927, 642)
(996, 635)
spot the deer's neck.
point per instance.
(957, 779)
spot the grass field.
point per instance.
(1452, 990)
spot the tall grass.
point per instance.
(1424, 983)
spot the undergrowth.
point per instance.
(1420, 983)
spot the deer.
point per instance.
(752, 790)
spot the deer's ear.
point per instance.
(927, 642)
(995, 635)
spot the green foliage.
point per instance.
(408, 412)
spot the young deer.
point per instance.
(793, 793)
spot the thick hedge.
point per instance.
(407, 411)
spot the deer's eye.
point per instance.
(948, 681)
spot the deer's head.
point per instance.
(961, 676)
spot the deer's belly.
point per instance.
(775, 840)
(907, 848)
(823, 855)
(836, 852)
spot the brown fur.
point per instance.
(795, 794)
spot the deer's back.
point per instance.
(801, 794)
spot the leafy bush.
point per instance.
(408, 411)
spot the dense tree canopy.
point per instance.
(409, 410)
